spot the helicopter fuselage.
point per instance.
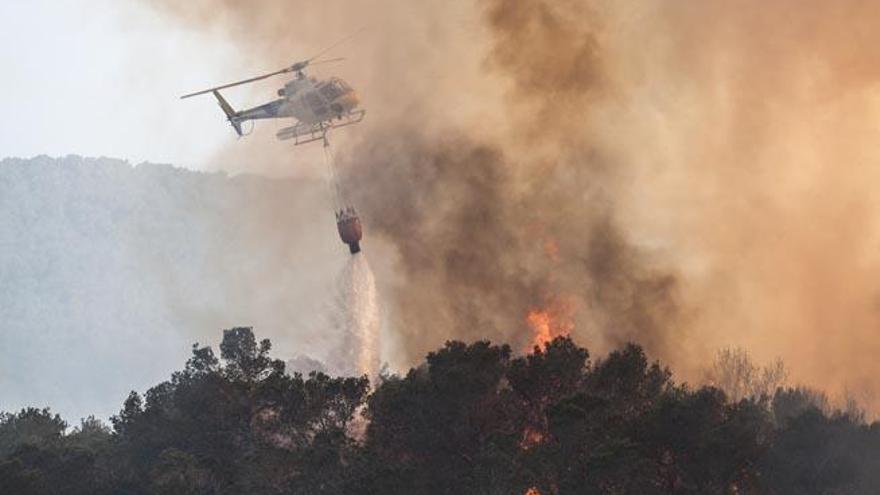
(307, 100)
(317, 106)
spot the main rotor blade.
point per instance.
(334, 45)
(329, 60)
(297, 66)
(238, 83)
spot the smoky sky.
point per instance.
(689, 175)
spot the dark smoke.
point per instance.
(472, 246)
(488, 225)
(550, 52)
(472, 219)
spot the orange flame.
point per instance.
(531, 438)
(551, 249)
(540, 322)
(553, 320)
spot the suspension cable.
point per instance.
(335, 187)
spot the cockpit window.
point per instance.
(332, 89)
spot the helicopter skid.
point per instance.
(307, 133)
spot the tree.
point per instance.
(236, 425)
(30, 426)
(244, 358)
(472, 419)
(814, 454)
(734, 372)
(789, 403)
(597, 446)
(446, 425)
(40, 457)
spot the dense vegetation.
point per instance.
(473, 419)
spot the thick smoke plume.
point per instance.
(691, 174)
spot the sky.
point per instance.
(103, 78)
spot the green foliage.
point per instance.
(473, 419)
(41, 457)
(31, 426)
(791, 403)
(243, 426)
(245, 359)
(429, 429)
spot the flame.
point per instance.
(531, 438)
(551, 249)
(533, 491)
(555, 319)
(540, 322)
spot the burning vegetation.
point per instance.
(555, 319)
(472, 418)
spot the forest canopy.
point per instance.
(471, 419)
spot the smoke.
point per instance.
(478, 248)
(757, 122)
(692, 174)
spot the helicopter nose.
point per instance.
(350, 99)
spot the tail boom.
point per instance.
(231, 115)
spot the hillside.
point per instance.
(109, 272)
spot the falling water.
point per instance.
(356, 317)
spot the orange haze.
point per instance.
(707, 168)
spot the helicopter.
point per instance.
(316, 105)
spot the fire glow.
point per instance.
(553, 320)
